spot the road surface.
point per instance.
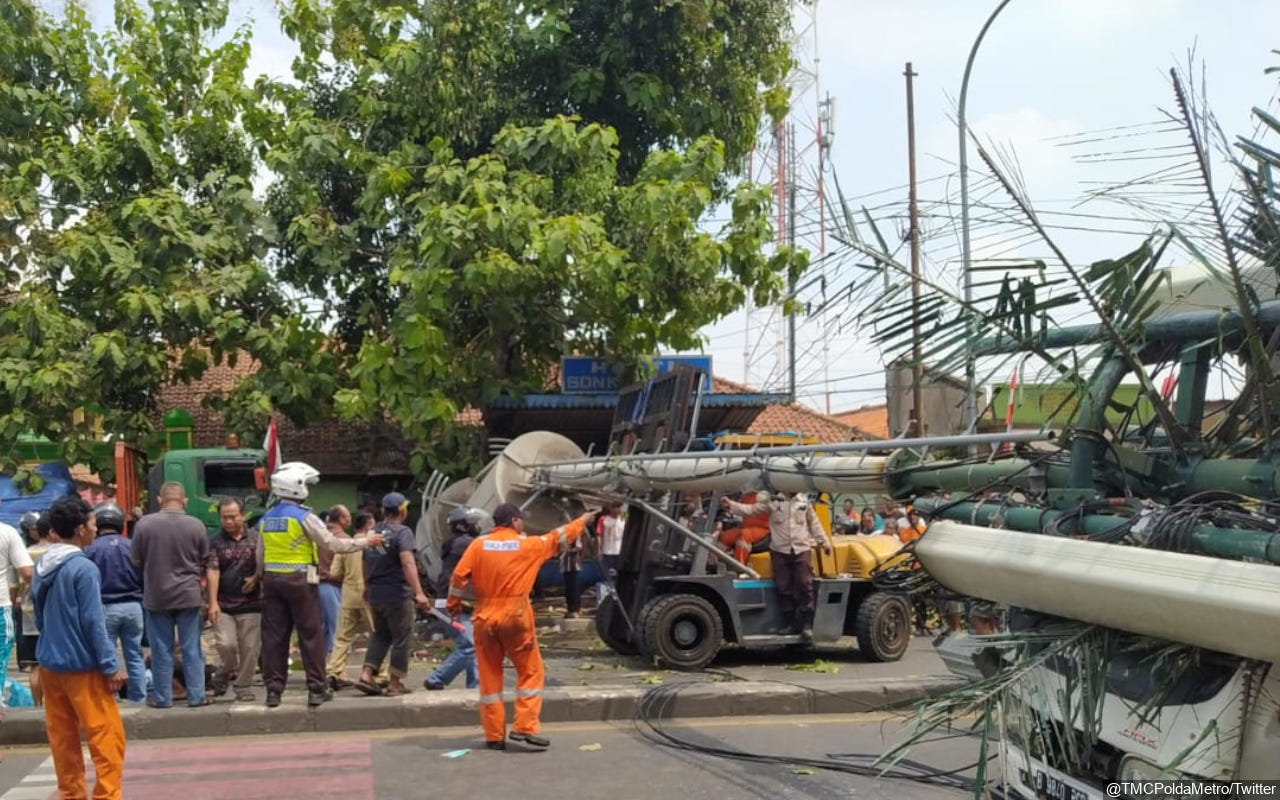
(593, 760)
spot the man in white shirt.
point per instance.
(611, 526)
(13, 559)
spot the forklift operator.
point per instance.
(793, 529)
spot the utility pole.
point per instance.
(917, 371)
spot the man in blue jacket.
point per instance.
(121, 593)
(78, 664)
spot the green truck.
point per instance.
(208, 475)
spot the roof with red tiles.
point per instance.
(792, 418)
(334, 446)
(874, 420)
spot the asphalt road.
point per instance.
(596, 760)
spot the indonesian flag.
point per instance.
(272, 445)
(1013, 388)
(1008, 413)
(1170, 383)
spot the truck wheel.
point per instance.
(682, 630)
(611, 627)
(883, 626)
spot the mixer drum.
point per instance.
(506, 478)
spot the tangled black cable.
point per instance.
(652, 706)
(1175, 526)
(1054, 527)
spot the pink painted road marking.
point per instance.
(350, 785)
(316, 770)
(238, 752)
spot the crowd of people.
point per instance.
(890, 520)
(88, 588)
(320, 580)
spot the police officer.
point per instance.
(288, 561)
(794, 530)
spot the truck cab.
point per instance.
(209, 475)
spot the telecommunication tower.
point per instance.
(789, 353)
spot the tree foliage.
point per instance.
(129, 233)
(460, 192)
(481, 186)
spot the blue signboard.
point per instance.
(587, 375)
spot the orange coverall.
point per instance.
(753, 529)
(502, 567)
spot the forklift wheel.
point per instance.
(682, 630)
(883, 626)
(611, 627)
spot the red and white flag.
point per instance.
(1008, 413)
(1013, 388)
(1170, 383)
(272, 445)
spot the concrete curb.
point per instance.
(423, 709)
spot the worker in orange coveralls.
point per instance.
(501, 568)
(744, 537)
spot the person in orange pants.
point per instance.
(501, 568)
(742, 539)
(78, 662)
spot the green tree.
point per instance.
(129, 233)
(473, 188)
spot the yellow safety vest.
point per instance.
(285, 544)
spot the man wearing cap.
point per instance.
(394, 589)
(501, 568)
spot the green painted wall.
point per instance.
(331, 491)
(1034, 404)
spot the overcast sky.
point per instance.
(1047, 69)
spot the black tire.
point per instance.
(611, 627)
(883, 626)
(683, 631)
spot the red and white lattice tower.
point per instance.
(791, 157)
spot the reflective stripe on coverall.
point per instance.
(501, 568)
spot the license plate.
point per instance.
(1050, 787)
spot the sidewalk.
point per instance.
(586, 681)
(587, 687)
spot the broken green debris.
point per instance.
(818, 665)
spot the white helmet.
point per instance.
(290, 481)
